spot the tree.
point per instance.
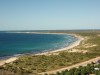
(58, 73)
(68, 73)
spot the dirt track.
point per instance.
(69, 67)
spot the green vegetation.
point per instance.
(33, 64)
(42, 63)
(82, 70)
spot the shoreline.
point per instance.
(9, 60)
(74, 44)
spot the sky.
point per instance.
(49, 14)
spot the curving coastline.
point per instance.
(76, 43)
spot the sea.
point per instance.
(13, 43)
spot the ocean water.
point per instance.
(23, 43)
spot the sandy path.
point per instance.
(69, 67)
(2, 62)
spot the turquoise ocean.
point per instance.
(12, 43)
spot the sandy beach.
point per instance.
(76, 43)
(9, 60)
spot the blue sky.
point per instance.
(49, 14)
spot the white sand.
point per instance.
(9, 60)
